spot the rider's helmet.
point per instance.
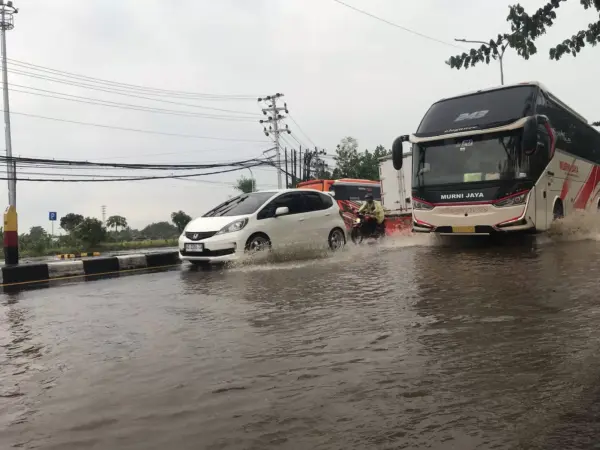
(369, 197)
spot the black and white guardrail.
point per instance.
(31, 273)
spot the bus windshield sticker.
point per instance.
(492, 176)
(472, 116)
(470, 177)
(464, 144)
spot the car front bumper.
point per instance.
(219, 248)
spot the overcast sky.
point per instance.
(342, 73)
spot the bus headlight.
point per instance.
(420, 204)
(513, 200)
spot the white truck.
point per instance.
(396, 185)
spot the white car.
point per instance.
(263, 220)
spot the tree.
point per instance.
(91, 231)
(70, 222)
(160, 230)
(180, 220)
(596, 124)
(526, 30)
(353, 164)
(116, 222)
(245, 184)
(38, 233)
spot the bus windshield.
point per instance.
(355, 192)
(476, 111)
(486, 157)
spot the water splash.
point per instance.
(577, 226)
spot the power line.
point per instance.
(302, 131)
(193, 136)
(125, 93)
(79, 163)
(99, 102)
(397, 26)
(140, 178)
(146, 89)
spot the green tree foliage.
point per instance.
(160, 230)
(90, 232)
(526, 29)
(180, 220)
(596, 124)
(37, 240)
(351, 163)
(116, 222)
(245, 184)
(70, 222)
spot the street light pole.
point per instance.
(500, 55)
(11, 231)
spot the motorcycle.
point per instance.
(358, 233)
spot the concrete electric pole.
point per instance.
(274, 128)
(104, 214)
(11, 229)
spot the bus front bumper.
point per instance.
(472, 220)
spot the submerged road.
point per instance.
(412, 345)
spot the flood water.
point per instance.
(411, 344)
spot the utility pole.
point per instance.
(103, 214)
(500, 55)
(287, 182)
(274, 128)
(11, 228)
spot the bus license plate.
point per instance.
(463, 229)
(194, 247)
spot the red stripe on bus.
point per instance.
(589, 186)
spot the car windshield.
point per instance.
(240, 205)
(466, 160)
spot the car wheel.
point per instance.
(258, 243)
(337, 239)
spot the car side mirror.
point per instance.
(397, 152)
(282, 211)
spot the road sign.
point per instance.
(52, 216)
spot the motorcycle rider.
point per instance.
(374, 214)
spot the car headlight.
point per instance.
(420, 204)
(514, 200)
(234, 226)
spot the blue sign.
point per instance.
(52, 216)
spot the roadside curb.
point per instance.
(77, 255)
(45, 272)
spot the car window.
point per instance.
(313, 201)
(327, 200)
(293, 200)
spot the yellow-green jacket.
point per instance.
(374, 209)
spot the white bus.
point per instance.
(506, 159)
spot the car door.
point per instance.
(288, 230)
(317, 218)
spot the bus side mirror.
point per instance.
(397, 152)
(535, 135)
(530, 136)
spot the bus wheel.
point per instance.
(558, 212)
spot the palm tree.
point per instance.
(116, 222)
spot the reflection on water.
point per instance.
(407, 344)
